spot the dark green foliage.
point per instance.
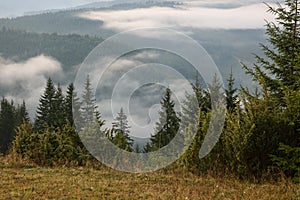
(69, 50)
(122, 142)
(59, 22)
(283, 64)
(72, 104)
(288, 160)
(251, 135)
(51, 148)
(54, 139)
(231, 97)
(190, 159)
(261, 131)
(168, 124)
(288, 155)
(59, 107)
(272, 116)
(88, 111)
(147, 148)
(120, 129)
(7, 124)
(10, 118)
(21, 114)
(47, 109)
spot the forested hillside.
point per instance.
(69, 50)
(258, 139)
(68, 21)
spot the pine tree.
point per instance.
(147, 148)
(60, 115)
(21, 114)
(137, 148)
(168, 124)
(7, 124)
(72, 104)
(89, 108)
(121, 132)
(199, 100)
(215, 90)
(46, 113)
(231, 97)
(273, 122)
(282, 66)
(202, 95)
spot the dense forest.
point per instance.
(261, 137)
(69, 50)
(69, 22)
(226, 46)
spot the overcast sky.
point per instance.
(190, 16)
(32, 74)
(11, 8)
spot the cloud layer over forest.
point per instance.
(186, 16)
(26, 80)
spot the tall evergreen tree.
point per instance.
(22, 114)
(89, 108)
(60, 115)
(268, 114)
(282, 66)
(199, 100)
(72, 104)
(121, 132)
(7, 124)
(202, 95)
(231, 97)
(46, 111)
(168, 124)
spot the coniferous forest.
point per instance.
(261, 135)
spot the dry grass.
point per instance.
(21, 182)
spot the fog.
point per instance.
(186, 16)
(26, 80)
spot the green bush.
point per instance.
(51, 147)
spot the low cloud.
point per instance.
(26, 80)
(187, 16)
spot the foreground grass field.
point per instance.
(25, 182)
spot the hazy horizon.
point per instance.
(15, 8)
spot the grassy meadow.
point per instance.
(26, 181)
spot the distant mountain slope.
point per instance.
(226, 47)
(68, 22)
(69, 50)
(65, 22)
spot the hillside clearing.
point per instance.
(84, 183)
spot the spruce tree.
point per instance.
(46, 113)
(231, 97)
(21, 114)
(60, 115)
(282, 65)
(72, 104)
(89, 108)
(199, 100)
(168, 124)
(202, 95)
(269, 113)
(121, 132)
(7, 124)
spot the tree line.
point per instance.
(261, 135)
